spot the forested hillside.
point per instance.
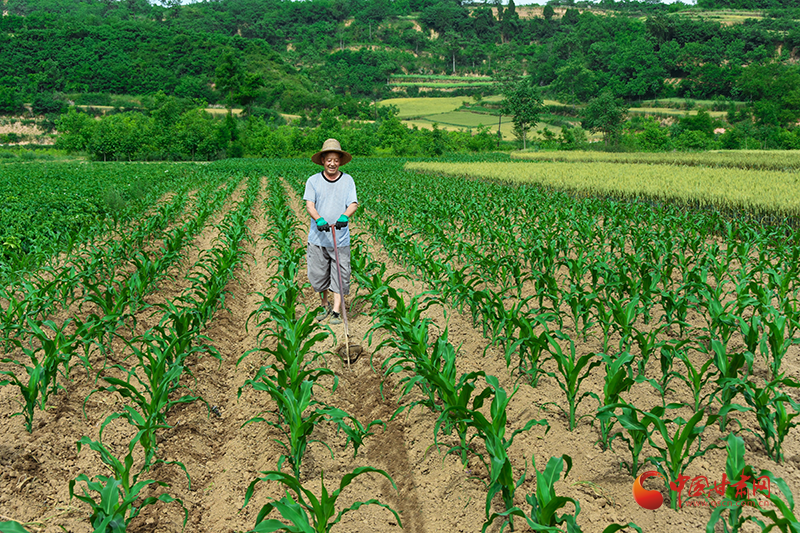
(270, 56)
(301, 51)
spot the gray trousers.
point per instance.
(321, 263)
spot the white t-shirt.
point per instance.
(331, 199)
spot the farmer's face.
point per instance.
(331, 162)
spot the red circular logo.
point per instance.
(649, 499)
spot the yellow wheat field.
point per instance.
(754, 190)
(748, 159)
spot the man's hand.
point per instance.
(342, 222)
(322, 225)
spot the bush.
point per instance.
(47, 104)
(103, 99)
(692, 140)
(10, 138)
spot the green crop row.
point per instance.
(46, 205)
(442, 85)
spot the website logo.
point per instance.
(648, 499)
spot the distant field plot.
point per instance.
(446, 112)
(788, 160)
(417, 77)
(443, 85)
(419, 107)
(757, 191)
(460, 120)
(680, 103)
(216, 111)
(671, 111)
(725, 16)
(466, 119)
(439, 82)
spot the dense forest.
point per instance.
(271, 56)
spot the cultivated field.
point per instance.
(447, 114)
(521, 345)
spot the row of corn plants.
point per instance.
(288, 335)
(156, 383)
(40, 347)
(52, 208)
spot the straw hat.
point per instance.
(332, 145)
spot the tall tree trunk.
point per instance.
(499, 133)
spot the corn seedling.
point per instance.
(43, 368)
(118, 494)
(300, 415)
(545, 504)
(776, 338)
(730, 367)
(295, 338)
(636, 429)
(493, 433)
(305, 511)
(697, 379)
(763, 483)
(619, 379)
(151, 385)
(435, 376)
(572, 371)
(676, 448)
(774, 409)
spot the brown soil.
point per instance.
(434, 492)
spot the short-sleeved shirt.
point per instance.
(331, 199)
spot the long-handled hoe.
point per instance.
(344, 307)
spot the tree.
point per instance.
(75, 131)
(229, 75)
(196, 133)
(452, 44)
(484, 24)
(118, 136)
(525, 104)
(605, 114)
(10, 101)
(375, 12)
(505, 77)
(574, 82)
(510, 24)
(248, 91)
(571, 17)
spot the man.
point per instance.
(330, 195)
